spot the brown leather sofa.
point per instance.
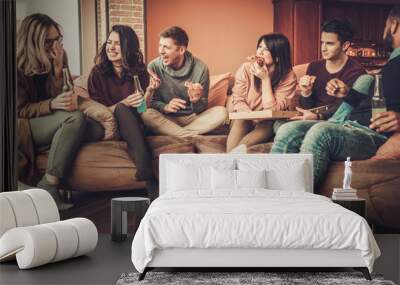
(106, 166)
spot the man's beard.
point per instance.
(388, 40)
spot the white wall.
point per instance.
(64, 12)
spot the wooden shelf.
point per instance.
(300, 21)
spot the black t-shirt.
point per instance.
(348, 74)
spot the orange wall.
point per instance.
(221, 32)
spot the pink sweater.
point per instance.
(246, 98)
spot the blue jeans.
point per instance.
(327, 141)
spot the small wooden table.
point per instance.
(119, 215)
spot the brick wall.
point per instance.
(128, 12)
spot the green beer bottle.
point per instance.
(138, 88)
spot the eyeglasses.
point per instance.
(50, 42)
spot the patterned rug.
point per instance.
(244, 278)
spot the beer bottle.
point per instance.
(67, 87)
(378, 103)
(138, 89)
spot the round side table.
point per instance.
(120, 207)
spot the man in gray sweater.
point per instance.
(178, 90)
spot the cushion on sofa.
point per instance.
(218, 90)
(95, 110)
(81, 81)
(260, 148)
(210, 144)
(300, 70)
(160, 141)
(390, 149)
(102, 115)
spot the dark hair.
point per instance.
(178, 34)
(279, 47)
(342, 28)
(132, 57)
(395, 12)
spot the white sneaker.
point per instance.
(242, 148)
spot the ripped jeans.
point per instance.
(327, 141)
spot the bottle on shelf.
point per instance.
(68, 85)
(378, 103)
(138, 88)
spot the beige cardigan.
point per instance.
(246, 98)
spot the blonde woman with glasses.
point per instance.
(46, 118)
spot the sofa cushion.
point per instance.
(260, 148)
(109, 163)
(102, 115)
(210, 144)
(300, 70)
(156, 142)
(390, 149)
(218, 90)
(95, 110)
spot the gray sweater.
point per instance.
(172, 84)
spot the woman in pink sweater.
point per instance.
(267, 83)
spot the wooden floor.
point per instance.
(96, 206)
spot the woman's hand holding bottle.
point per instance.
(133, 100)
(63, 101)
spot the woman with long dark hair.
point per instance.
(267, 82)
(111, 84)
